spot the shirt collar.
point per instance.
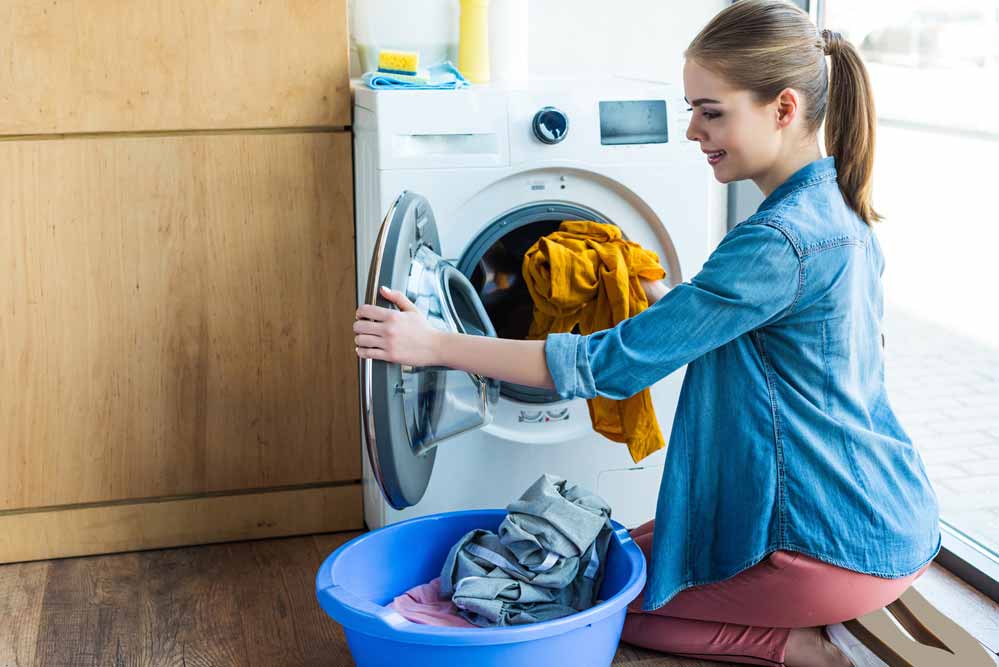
(823, 169)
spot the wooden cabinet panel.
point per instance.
(175, 316)
(80, 531)
(133, 65)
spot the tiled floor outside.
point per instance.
(945, 390)
(935, 185)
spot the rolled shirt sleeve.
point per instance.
(752, 278)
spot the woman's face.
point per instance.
(738, 134)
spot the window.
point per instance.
(934, 68)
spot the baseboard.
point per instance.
(75, 531)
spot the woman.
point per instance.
(791, 499)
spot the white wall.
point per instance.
(591, 38)
(582, 37)
(636, 37)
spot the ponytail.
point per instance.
(765, 46)
(851, 124)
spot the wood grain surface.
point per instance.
(148, 65)
(127, 526)
(176, 316)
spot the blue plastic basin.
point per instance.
(357, 580)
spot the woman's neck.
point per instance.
(785, 166)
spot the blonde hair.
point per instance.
(765, 46)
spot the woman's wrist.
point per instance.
(440, 342)
(654, 289)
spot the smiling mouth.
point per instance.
(715, 157)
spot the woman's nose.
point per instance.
(693, 134)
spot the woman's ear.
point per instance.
(787, 104)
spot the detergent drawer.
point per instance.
(423, 129)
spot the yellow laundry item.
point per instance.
(586, 274)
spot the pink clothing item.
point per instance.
(422, 604)
(747, 618)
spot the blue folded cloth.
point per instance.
(444, 76)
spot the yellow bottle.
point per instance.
(473, 41)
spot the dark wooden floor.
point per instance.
(246, 603)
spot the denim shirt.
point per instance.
(784, 438)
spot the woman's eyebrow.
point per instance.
(700, 101)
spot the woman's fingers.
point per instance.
(365, 340)
(397, 335)
(376, 313)
(380, 314)
(368, 327)
(371, 353)
(398, 298)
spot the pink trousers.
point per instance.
(747, 618)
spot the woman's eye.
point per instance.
(710, 115)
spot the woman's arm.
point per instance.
(654, 289)
(518, 361)
(405, 337)
(754, 276)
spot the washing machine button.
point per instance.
(550, 125)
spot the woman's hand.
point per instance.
(654, 289)
(405, 336)
(399, 336)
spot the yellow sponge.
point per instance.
(398, 62)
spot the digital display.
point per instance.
(633, 122)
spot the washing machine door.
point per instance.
(407, 411)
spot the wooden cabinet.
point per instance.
(180, 316)
(176, 355)
(143, 65)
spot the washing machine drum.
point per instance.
(408, 410)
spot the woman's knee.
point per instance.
(644, 529)
(656, 633)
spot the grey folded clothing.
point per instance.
(546, 562)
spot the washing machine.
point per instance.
(451, 188)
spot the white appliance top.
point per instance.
(604, 121)
(385, 100)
